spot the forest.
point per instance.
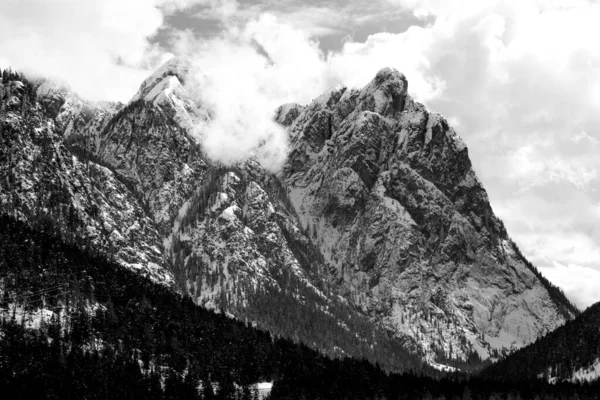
(116, 334)
(571, 347)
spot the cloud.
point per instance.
(581, 284)
(99, 47)
(584, 136)
(246, 73)
(531, 165)
(315, 21)
(258, 62)
(553, 224)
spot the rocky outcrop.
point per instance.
(148, 143)
(41, 179)
(400, 215)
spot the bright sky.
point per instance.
(519, 80)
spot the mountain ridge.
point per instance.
(229, 236)
(570, 353)
(161, 181)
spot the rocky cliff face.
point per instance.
(42, 179)
(405, 225)
(377, 224)
(148, 143)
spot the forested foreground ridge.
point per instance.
(77, 325)
(570, 352)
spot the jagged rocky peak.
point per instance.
(132, 180)
(53, 89)
(52, 95)
(84, 200)
(379, 194)
(287, 113)
(384, 95)
(399, 215)
(70, 112)
(168, 89)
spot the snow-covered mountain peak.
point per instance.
(53, 88)
(53, 95)
(330, 98)
(167, 89)
(377, 207)
(169, 77)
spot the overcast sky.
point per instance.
(520, 82)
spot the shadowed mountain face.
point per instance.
(376, 237)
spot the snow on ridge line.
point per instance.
(442, 367)
(176, 67)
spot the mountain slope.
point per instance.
(389, 194)
(111, 333)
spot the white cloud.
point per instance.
(358, 63)
(99, 46)
(529, 166)
(217, 9)
(566, 247)
(246, 73)
(584, 136)
(580, 284)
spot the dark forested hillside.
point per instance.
(115, 330)
(561, 353)
(115, 334)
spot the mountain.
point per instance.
(376, 240)
(131, 181)
(405, 226)
(42, 178)
(569, 353)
